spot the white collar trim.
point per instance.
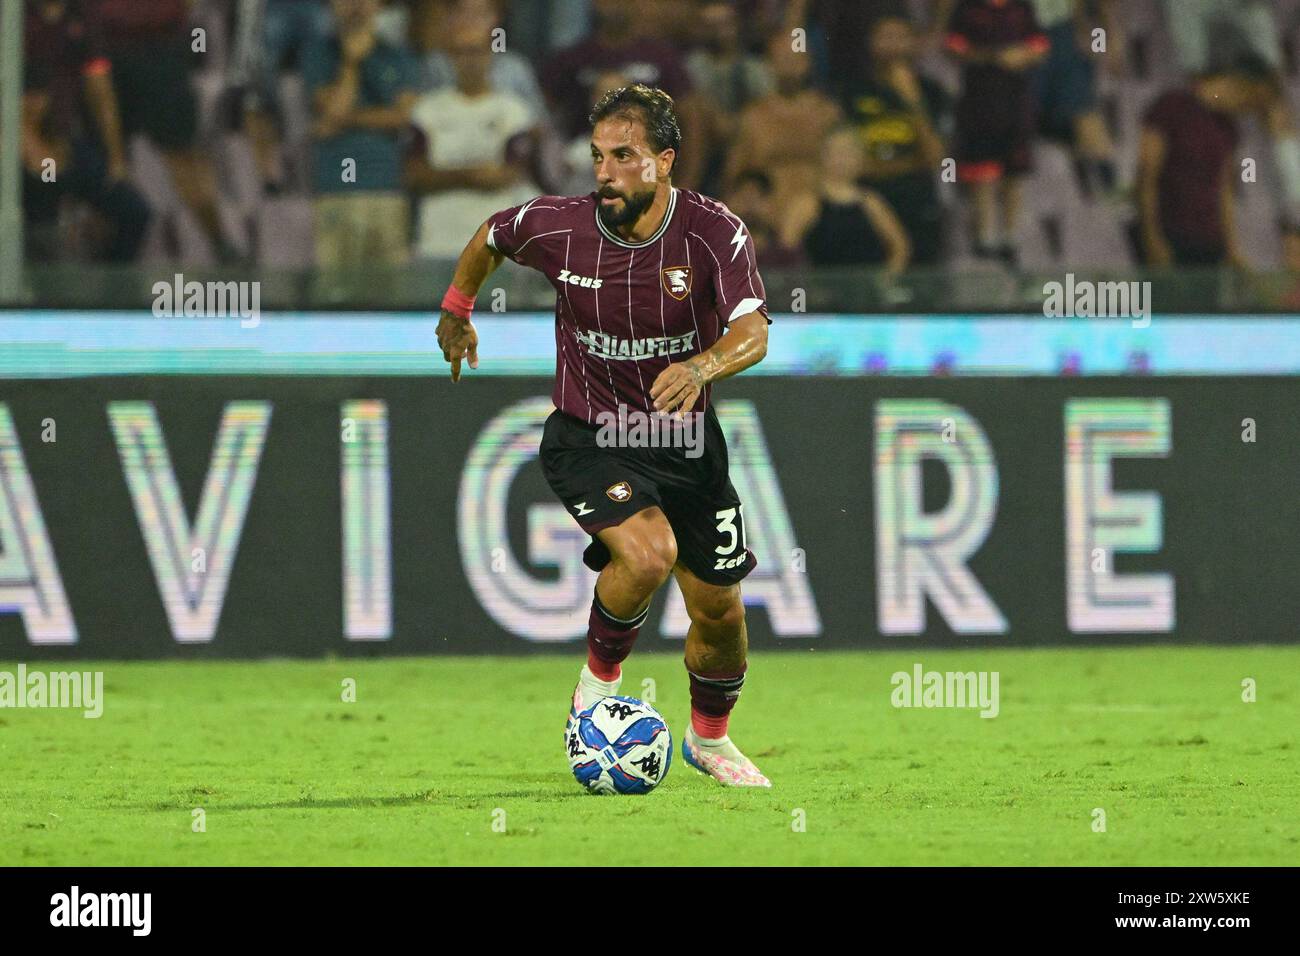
(663, 226)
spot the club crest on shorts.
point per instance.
(676, 281)
(619, 491)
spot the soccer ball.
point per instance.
(619, 745)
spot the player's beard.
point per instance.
(633, 207)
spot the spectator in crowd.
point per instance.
(899, 115)
(1186, 165)
(534, 29)
(998, 43)
(272, 35)
(843, 224)
(777, 244)
(574, 177)
(728, 79)
(672, 21)
(363, 90)
(148, 45)
(619, 42)
(556, 27)
(1211, 34)
(1065, 86)
(467, 163)
(70, 115)
(781, 134)
(844, 25)
(759, 19)
(508, 70)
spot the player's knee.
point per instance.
(651, 558)
(720, 613)
(660, 556)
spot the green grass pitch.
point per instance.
(418, 768)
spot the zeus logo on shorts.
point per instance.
(619, 491)
(603, 345)
(584, 281)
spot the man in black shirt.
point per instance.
(901, 117)
(71, 135)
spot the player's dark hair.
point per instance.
(652, 106)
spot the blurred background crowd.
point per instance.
(1009, 136)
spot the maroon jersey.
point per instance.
(1199, 143)
(625, 310)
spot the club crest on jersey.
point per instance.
(677, 281)
(619, 491)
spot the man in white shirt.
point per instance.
(468, 163)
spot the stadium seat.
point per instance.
(295, 121)
(285, 233)
(209, 91)
(1258, 213)
(1131, 105)
(211, 16)
(173, 232)
(241, 188)
(1052, 187)
(1145, 15)
(1095, 238)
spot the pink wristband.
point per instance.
(458, 303)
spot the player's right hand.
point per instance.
(458, 340)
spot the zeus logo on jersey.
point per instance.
(585, 282)
(616, 349)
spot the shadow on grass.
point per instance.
(440, 798)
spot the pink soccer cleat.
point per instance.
(724, 762)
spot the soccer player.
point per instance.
(648, 278)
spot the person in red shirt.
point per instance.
(149, 46)
(70, 118)
(998, 43)
(1186, 168)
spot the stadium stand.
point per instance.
(256, 123)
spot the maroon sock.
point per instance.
(610, 639)
(712, 697)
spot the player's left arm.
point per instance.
(679, 385)
(741, 306)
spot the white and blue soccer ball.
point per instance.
(619, 745)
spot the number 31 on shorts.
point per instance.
(727, 521)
